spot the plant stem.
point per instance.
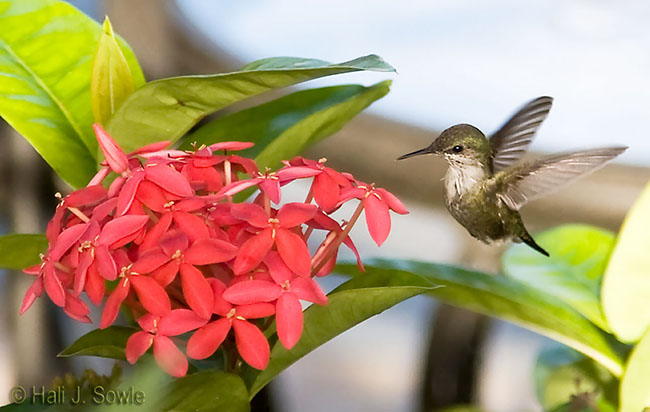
(333, 248)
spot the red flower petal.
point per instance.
(166, 274)
(173, 241)
(271, 188)
(95, 286)
(88, 196)
(326, 191)
(279, 271)
(148, 322)
(152, 296)
(206, 251)
(253, 251)
(151, 148)
(103, 210)
(205, 341)
(221, 306)
(251, 213)
(115, 157)
(169, 179)
(127, 192)
(180, 321)
(76, 308)
(197, 291)
(251, 344)
(294, 214)
(252, 291)
(392, 201)
(236, 187)
(99, 176)
(255, 310)
(105, 263)
(230, 146)
(293, 251)
(288, 174)
(307, 289)
(149, 261)
(169, 357)
(154, 234)
(53, 285)
(117, 230)
(348, 242)
(137, 345)
(377, 219)
(34, 291)
(81, 272)
(289, 319)
(193, 226)
(112, 307)
(66, 239)
(152, 196)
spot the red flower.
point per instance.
(156, 331)
(327, 184)
(250, 341)
(291, 246)
(377, 202)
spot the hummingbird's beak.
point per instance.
(424, 151)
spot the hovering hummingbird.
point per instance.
(484, 188)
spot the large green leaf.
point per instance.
(573, 272)
(19, 250)
(626, 285)
(208, 391)
(46, 50)
(284, 127)
(106, 343)
(509, 299)
(168, 108)
(351, 303)
(635, 385)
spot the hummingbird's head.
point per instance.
(459, 144)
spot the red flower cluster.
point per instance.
(166, 239)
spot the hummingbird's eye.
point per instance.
(457, 149)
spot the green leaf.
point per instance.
(46, 50)
(573, 272)
(626, 285)
(106, 343)
(351, 303)
(635, 385)
(284, 127)
(208, 391)
(561, 372)
(111, 81)
(509, 299)
(168, 108)
(19, 250)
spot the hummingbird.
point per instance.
(485, 186)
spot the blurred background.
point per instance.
(458, 61)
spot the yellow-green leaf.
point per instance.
(111, 81)
(626, 284)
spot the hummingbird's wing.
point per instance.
(520, 184)
(510, 142)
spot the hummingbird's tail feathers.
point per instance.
(531, 181)
(511, 141)
(416, 153)
(528, 239)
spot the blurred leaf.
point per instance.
(168, 108)
(508, 299)
(208, 391)
(561, 372)
(284, 127)
(46, 50)
(106, 343)
(635, 385)
(20, 250)
(626, 285)
(573, 272)
(111, 81)
(350, 304)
